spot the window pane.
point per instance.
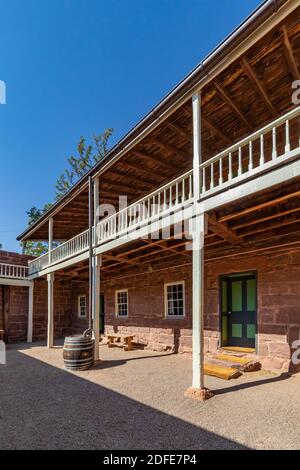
(236, 292)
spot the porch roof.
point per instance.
(241, 94)
(249, 227)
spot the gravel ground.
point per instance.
(135, 400)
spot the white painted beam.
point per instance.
(50, 241)
(97, 262)
(198, 301)
(197, 157)
(30, 314)
(50, 328)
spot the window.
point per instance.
(122, 303)
(82, 306)
(174, 300)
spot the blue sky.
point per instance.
(76, 67)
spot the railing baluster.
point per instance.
(274, 144)
(177, 194)
(203, 181)
(240, 169)
(250, 167)
(221, 171)
(190, 187)
(183, 190)
(212, 175)
(287, 137)
(229, 166)
(262, 150)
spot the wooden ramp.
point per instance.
(221, 371)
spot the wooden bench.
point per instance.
(1, 335)
(121, 340)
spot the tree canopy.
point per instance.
(88, 154)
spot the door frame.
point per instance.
(223, 277)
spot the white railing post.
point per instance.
(97, 262)
(197, 156)
(50, 326)
(96, 211)
(30, 314)
(50, 241)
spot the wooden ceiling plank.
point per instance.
(155, 158)
(289, 55)
(222, 230)
(263, 205)
(249, 71)
(209, 125)
(226, 97)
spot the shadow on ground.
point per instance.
(45, 407)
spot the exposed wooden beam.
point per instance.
(260, 206)
(120, 259)
(289, 55)
(156, 159)
(178, 130)
(209, 125)
(170, 148)
(257, 84)
(222, 230)
(143, 169)
(226, 97)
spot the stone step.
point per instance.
(244, 364)
(221, 371)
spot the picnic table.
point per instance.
(121, 340)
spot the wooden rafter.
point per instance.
(226, 97)
(179, 130)
(260, 206)
(209, 125)
(257, 84)
(222, 230)
(170, 148)
(289, 55)
(155, 158)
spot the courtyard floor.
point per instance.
(135, 400)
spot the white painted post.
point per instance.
(30, 314)
(196, 103)
(50, 241)
(198, 301)
(96, 204)
(50, 329)
(198, 231)
(96, 302)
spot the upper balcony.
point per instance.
(13, 271)
(272, 146)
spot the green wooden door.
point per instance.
(239, 310)
(102, 315)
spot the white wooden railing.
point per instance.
(66, 250)
(262, 150)
(169, 198)
(272, 145)
(13, 271)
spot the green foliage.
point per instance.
(87, 156)
(35, 248)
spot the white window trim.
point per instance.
(166, 285)
(116, 303)
(79, 309)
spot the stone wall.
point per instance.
(278, 281)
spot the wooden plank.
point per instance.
(226, 97)
(258, 85)
(289, 55)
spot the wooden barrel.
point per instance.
(78, 352)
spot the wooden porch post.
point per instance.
(96, 303)
(30, 314)
(197, 390)
(50, 279)
(50, 242)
